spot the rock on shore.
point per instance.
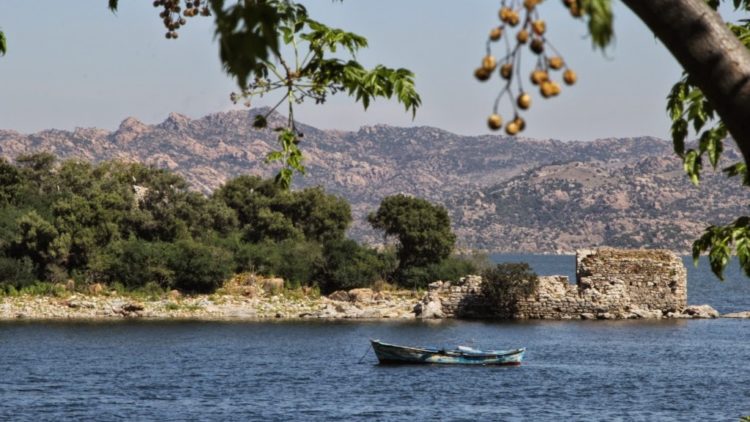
(226, 306)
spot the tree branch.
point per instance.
(715, 60)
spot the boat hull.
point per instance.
(393, 354)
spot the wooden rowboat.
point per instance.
(393, 354)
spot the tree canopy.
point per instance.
(713, 97)
(423, 229)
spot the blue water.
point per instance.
(575, 370)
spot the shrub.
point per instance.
(196, 267)
(348, 265)
(16, 272)
(150, 291)
(260, 258)
(449, 269)
(39, 288)
(134, 263)
(295, 261)
(505, 283)
(299, 261)
(413, 277)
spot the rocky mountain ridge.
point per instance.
(504, 194)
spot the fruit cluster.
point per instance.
(531, 31)
(170, 13)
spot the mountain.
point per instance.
(504, 194)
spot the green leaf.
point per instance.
(248, 33)
(3, 44)
(738, 169)
(323, 38)
(675, 100)
(692, 165)
(260, 121)
(679, 133)
(274, 156)
(719, 241)
(284, 178)
(600, 18)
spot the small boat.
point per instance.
(391, 354)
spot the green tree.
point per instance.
(38, 240)
(197, 267)
(320, 216)
(133, 263)
(714, 54)
(16, 273)
(266, 211)
(10, 181)
(348, 265)
(423, 229)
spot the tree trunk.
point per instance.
(715, 59)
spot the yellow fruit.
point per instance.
(538, 76)
(482, 74)
(570, 77)
(555, 62)
(489, 63)
(521, 123)
(512, 128)
(546, 89)
(555, 88)
(514, 19)
(524, 101)
(495, 122)
(496, 33)
(506, 70)
(505, 13)
(530, 4)
(522, 36)
(537, 45)
(539, 27)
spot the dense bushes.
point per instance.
(294, 261)
(16, 272)
(451, 268)
(185, 265)
(133, 263)
(134, 226)
(348, 265)
(197, 267)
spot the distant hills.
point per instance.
(504, 194)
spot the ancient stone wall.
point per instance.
(611, 284)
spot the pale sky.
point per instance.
(73, 63)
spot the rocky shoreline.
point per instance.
(357, 304)
(286, 305)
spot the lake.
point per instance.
(574, 370)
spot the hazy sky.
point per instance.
(73, 63)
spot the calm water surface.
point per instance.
(583, 370)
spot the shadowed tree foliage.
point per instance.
(713, 97)
(348, 265)
(423, 231)
(267, 212)
(136, 225)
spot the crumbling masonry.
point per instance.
(611, 284)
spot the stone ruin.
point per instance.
(611, 284)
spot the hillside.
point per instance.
(504, 194)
